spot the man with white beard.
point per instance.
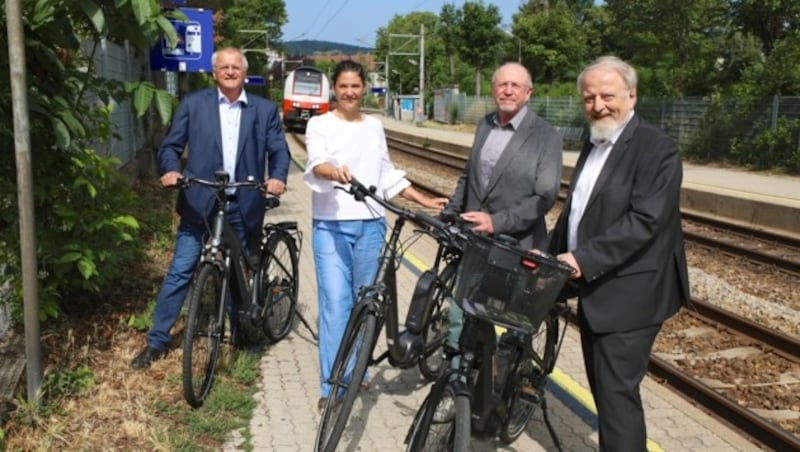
(620, 230)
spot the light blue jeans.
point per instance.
(346, 257)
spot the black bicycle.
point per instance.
(498, 382)
(376, 306)
(248, 298)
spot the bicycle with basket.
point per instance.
(498, 381)
(259, 289)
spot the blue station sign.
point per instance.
(195, 44)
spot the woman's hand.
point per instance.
(437, 204)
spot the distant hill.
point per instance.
(311, 47)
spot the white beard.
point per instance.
(602, 131)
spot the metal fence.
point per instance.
(686, 120)
(120, 62)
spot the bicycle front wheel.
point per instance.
(530, 378)
(346, 378)
(205, 327)
(278, 286)
(443, 421)
(432, 361)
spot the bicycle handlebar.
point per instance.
(455, 233)
(222, 182)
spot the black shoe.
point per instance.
(147, 356)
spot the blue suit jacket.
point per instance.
(261, 143)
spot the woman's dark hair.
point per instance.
(349, 66)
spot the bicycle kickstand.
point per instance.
(549, 425)
(305, 323)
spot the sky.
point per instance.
(356, 22)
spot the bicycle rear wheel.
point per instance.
(529, 379)
(205, 327)
(278, 286)
(432, 361)
(348, 373)
(443, 421)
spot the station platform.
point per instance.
(771, 202)
(286, 419)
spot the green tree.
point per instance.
(238, 16)
(399, 41)
(554, 47)
(481, 38)
(83, 230)
(769, 20)
(673, 43)
(447, 28)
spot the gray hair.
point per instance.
(529, 81)
(616, 64)
(228, 50)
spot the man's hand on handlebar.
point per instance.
(481, 220)
(274, 187)
(569, 259)
(170, 178)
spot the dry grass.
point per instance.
(120, 408)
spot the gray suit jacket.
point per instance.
(524, 183)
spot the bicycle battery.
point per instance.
(418, 310)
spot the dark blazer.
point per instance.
(524, 183)
(261, 143)
(630, 242)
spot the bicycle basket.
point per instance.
(506, 285)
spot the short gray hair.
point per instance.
(228, 50)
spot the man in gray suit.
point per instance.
(513, 174)
(621, 231)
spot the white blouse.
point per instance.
(361, 146)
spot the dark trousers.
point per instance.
(616, 363)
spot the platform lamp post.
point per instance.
(519, 44)
(421, 107)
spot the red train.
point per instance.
(306, 93)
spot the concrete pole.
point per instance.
(27, 235)
(421, 72)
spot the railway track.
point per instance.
(683, 361)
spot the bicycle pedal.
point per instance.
(529, 395)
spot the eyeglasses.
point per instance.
(229, 67)
(514, 86)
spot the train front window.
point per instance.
(308, 83)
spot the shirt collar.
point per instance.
(515, 121)
(224, 100)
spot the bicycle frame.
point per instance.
(403, 348)
(381, 299)
(224, 249)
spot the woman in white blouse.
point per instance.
(347, 234)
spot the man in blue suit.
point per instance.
(228, 130)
